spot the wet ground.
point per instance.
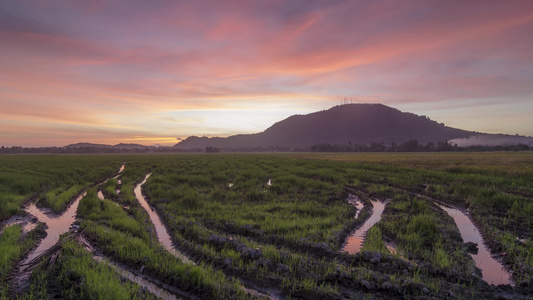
(56, 225)
(493, 271)
(161, 230)
(28, 223)
(355, 240)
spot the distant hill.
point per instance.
(80, 145)
(131, 146)
(118, 146)
(350, 123)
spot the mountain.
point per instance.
(349, 123)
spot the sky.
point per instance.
(155, 72)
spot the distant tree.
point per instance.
(430, 147)
(393, 147)
(378, 147)
(410, 146)
(210, 149)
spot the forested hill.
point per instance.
(350, 123)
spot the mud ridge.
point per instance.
(119, 267)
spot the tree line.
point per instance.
(412, 146)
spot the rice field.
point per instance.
(270, 225)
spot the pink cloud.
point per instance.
(135, 57)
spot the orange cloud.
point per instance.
(85, 68)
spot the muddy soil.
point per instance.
(355, 240)
(161, 230)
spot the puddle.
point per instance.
(57, 225)
(161, 231)
(354, 242)
(493, 271)
(122, 168)
(119, 182)
(119, 185)
(25, 221)
(355, 201)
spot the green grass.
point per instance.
(109, 188)
(110, 214)
(59, 198)
(14, 244)
(78, 276)
(56, 179)
(298, 223)
(160, 263)
(374, 241)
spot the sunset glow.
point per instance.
(154, 72)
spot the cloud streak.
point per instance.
(118, 66)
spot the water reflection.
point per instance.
(355, 201)
(57, 225)
(354, 242)
(122, 167)
(161, 231)
(493, 271)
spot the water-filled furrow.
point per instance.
(354, 242)
(355, 201)
(161, 230)
(119, 185)
(165, 291)
(121, 168)
(56, 226)
(154, 286)
(100, 194)
(119, 181)
(493, 271)
(161, 290)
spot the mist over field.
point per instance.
(492, 140)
